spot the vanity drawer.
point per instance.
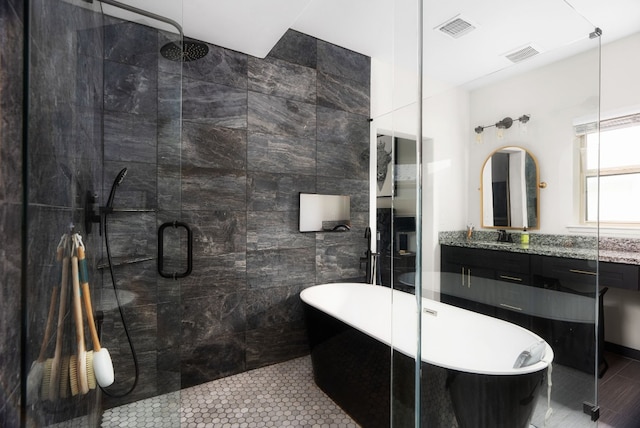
(619, 275)
(487, 259)
(578, 271)
(574, 270)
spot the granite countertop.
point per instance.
(614, 250)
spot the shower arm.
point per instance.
(143, 13)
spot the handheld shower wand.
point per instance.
(90, 214)
(119, 178)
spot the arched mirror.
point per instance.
(509, 189)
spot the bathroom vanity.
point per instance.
(548, 289)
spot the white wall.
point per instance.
(555, 96)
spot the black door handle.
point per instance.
(174, 275)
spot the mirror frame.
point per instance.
(538, 186)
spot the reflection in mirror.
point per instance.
(396, 210)
(510, 192)
(320, 213)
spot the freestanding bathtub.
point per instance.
(467, 359)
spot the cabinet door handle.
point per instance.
(462, 277)
(512, 278)
(583, 272)
(469, 278)
(515, 308)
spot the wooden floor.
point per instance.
(619, 393)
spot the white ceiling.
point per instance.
(386, 29)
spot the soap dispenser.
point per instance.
(524, 238)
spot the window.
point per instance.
(615, 154)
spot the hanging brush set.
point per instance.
(57, 377)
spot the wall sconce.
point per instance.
(500, 126)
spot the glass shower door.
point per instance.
(149, 241)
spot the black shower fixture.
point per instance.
(94, 214)
(184, 51)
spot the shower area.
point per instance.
(181, 175)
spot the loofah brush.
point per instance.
(101, 366)
(73, 375)
(52, 366)
(46, 379)
(91, 375)
(79, 374)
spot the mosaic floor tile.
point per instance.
(285, 395)
(281, 395)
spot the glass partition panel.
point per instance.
(526, 302)
(65, 166)
(397, 249)
(395, 216)
(147, 240)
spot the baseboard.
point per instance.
(622, 350)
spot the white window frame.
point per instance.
(581, 133)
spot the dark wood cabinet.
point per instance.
(554, 297)
(583, 273)
(479, 276)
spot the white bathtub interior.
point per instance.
(452, 338)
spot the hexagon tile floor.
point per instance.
(281, 395)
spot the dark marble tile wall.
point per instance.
(11, 71)
(256, 133)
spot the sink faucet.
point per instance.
(503, 236)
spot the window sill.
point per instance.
(610, 231)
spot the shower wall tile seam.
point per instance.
(281, 174)
(201, 80)
(283, 97)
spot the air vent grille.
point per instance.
(456, 27)
(522, 54)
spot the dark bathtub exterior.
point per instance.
(354, 369)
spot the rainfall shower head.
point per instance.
(185, 51)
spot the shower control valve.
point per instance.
(91, 214)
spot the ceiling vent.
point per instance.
(521, 54)
(456, 27)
